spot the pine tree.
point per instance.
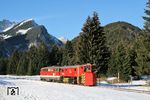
(22, 67)
(147, 18)
(100, 54)
(3, 65)
(112, 66)
(82, 50)
(132, 56)
(33, 61)
(13, 62)
(130, 64)
(120, 58)
(123, 62)
(142, 47)
(86, 39)
(68, 54)
(56, 56)
(42, 56)
(93, 47)
(38, 57)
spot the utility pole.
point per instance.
(131, 79)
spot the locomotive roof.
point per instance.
(65, 66)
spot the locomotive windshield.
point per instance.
(87, 68)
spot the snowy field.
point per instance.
(136, 85)
(31, 88)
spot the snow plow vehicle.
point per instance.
(78, 74)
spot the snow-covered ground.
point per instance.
(31, 88)
(135, 85)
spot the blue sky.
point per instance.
(66, 17)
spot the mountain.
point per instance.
(63, 40)
(4, 24)
(120, 31)
(23, 35)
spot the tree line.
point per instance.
(89, 47)
(26, 63)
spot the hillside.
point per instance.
(120, 31)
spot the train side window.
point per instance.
(49, 70)
(57, 69)
(45, 69)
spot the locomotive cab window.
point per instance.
(87, 68)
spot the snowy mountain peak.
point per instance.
(28, 20)
(28, 23)
(23, 35)
(8, 28)
(5, 25)
(62, 39)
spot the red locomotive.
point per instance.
(78, 74)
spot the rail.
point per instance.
(122, 88)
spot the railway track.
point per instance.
(126, 89)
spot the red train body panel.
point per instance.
(79, 74)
